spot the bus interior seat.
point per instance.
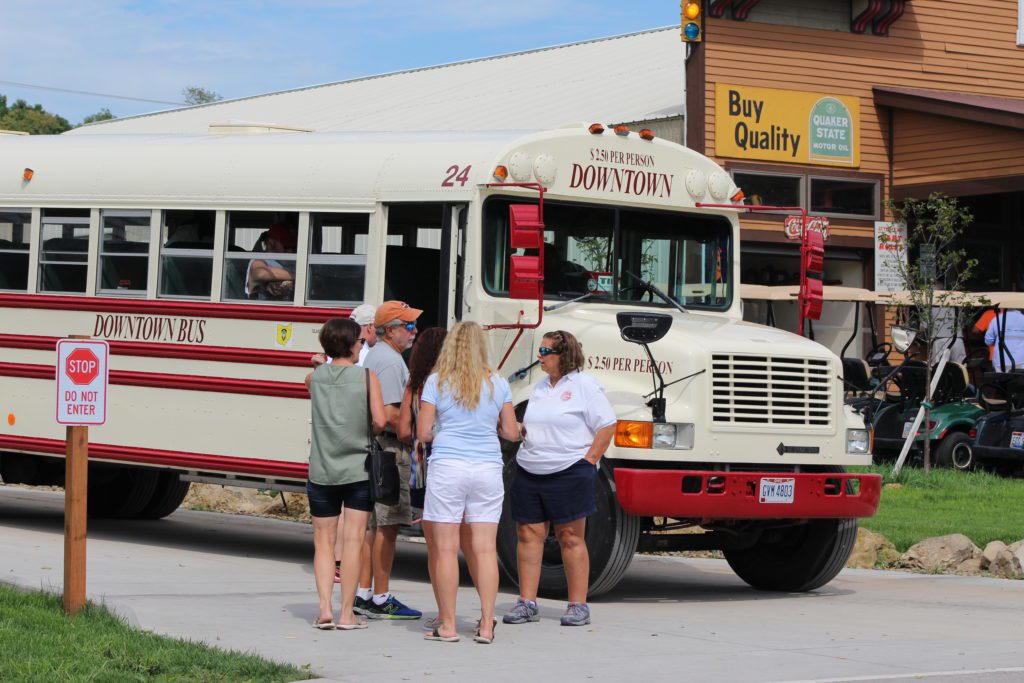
(409, 276)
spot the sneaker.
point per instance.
(523, 612)
(361, 606)
(392, 609)
(576, 614)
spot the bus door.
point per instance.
(423, 259)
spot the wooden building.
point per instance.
(840, 105)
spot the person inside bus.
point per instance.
(396, 331)
(568, 426)
(340, 396)
(271, 279)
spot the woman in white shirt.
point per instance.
(471, 405)
(567, 428)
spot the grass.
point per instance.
(915, 506)
(40, 643)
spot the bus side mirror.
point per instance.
(643, 328)
(526, 231)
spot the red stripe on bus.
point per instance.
(180, 459)
(223, 354)
(225, 385)
(190, 309)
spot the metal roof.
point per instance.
(632, 77)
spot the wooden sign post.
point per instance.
(82, 372)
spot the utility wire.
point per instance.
(86, 92)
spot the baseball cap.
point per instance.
(282, 234)
(395, 310)
(364, 314)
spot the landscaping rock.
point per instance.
(988, 555)
(872, 549)
(970, 567)
(941, 553)
(1007, 565)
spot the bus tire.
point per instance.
(123, 493)
(170, 492)
(798, 558)
(611, 536)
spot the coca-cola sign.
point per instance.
(793, 226)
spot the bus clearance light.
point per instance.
(647, 134)
(27, 174)
(500, 173)
(621, 129)
(596, 129)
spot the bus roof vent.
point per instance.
(12, 132)
(253, 128)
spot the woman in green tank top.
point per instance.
(340, 394)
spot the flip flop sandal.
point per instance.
(432, 623)
(351, 627)
(324, 625)
(477, 638)
(435, 635)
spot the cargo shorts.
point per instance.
(388, 515)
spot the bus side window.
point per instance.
(186, 254)
(14, 242)
(337, 257)
(259, 261)
(124, 252)
(64, 251)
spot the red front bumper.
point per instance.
(736, 495)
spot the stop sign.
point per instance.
(82, 366)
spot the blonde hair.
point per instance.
(463, 366)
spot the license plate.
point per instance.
(906, 428)
(777, 490)
(1017, 440)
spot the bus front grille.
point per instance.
(748, 390)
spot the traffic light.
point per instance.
(691, 21)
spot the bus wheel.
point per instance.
(120, 492)
(170, 492)
(612, 537)
(797, 558)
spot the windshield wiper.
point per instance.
(555, 307)
(654, 290)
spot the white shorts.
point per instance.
(463, 490)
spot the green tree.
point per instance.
(30, 119)
(193, 95)
(102, 115)
(934, 270)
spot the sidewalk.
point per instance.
(245, 583)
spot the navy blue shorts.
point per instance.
(557, 498)
(326, 501)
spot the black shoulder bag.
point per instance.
(380, 464)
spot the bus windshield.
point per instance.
(597, 250)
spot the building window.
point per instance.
(124, 252)
(259, 263)
(771, 190)
(15, 231)
(839, 197)
(186, 254)
(64, 252)
(337, 257)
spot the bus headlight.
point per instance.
(856, 441)
(671, 435)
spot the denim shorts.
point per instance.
(557, 498)
(326, 501)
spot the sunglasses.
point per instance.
(547, 351)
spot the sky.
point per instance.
(152, 49)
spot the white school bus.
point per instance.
(733, 430)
